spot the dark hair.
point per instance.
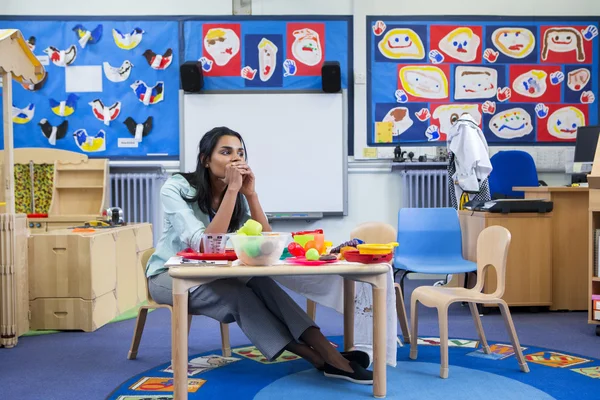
(200, 179)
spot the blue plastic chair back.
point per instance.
(429, 232)
(512, 168)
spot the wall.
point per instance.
(372, 195)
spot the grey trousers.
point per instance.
(266, 314)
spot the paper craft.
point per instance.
(53, 133)
(85, 36)
(498, 352)
(104, 113)
(461, 44)
(23, 115)
(117, 74)
(253, 353)
(554, 359)
(62, 58)
(435, 341)
(88, 143)
(64, 108)
(512, 123)
(128, 41)
(138, 130)
(590, 372)
(384, 132)
(148, 384)
(148, 94)
(157, 61)
(205, 363)
(428, 82)
(402, 43)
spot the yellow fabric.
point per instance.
(43, 178)
(464, 198)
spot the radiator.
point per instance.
(138, 195)
(425, 188)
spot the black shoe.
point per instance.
(360, 357)
(359, 375)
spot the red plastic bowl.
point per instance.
(355, 256)
(229, 255)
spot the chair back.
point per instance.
(511, 168)
(492, 251)
(428, 232)
(144, 262)
(374, 232)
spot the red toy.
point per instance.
(229, 255)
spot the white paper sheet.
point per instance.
(86, 78)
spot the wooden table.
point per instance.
(569, 243)
(529, 264)
(186, 277)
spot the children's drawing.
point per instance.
(117, 74)
(89, 143)
(149, 94)
(222, 44)
(400, 116)
(157, 61)
(475, 82)
(514, 42)
(66, 107)
(104, 113)
(563, 123)
(307, 47)
(267, 59)
(531, 84)
(23, 115)
(448, 114)
(128, 41)
(424, 81)
(512, 123)
(577, 79)
(402, 43)
(563, 40)
(461, 44)
(86, 36)
(61, 58)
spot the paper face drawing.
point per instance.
(563, 40)
(400, 116)
(222, 44)
(306, 47)
(577, 79)
(461, 44)
(401, 43)
(475, 83)
(267, 59)
(424, 81)
(514, 42)
(563, 122)
(531, 84)
(510, 124)
(449, 114)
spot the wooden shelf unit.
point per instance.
(594, 223)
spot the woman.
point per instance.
(216, 198)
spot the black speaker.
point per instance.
(192, 78)
(331, 77)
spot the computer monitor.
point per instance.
(585, 149)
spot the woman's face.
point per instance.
(228, 149)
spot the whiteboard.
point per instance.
(296, 144)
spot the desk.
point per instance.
(187, 277)
(529, 263)
(569, 243)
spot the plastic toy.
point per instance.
(312, 255)
(296, 249)
(251, 228)
(377, 249)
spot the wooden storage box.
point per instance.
(83, 280)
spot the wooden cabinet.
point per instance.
(529, 264)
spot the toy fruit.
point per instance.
(267, 248)
(251, 228)
(296, 250)
(312, 255)
(311, 244)
(327, 257)
(252, 248)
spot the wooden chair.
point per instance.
(143, 312)
(376, 232)
(492, 251)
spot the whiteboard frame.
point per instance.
(291, 214)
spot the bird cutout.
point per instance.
(156, 61)
(128, 41)
(149, 95)
(53, 133)
(31, 43)
(138, 130)
(23, 115)
(117, 74)
(37, 86)
(62, 58)
(66, 107)
(104, 113)
(84, 36)
(88, 143)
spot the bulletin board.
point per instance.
(111, 88)
(526, 81)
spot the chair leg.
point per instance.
(414, 325)
(479, 328)
(311, 309)
(513, 336)
(402, 276)
(137, 333)
(225, 345)
(190, 316)
(401, 312)
(443, 322)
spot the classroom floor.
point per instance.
(66, 365)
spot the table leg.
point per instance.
(379, 345)
(179, 338)
(348, 314)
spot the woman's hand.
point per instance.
(233, 177)
(247, 181)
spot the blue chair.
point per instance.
(512, 168)
(430, 242)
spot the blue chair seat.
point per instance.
(435, 265)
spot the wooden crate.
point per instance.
(72, 273)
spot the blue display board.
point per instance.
(111, 88)
(525, 81)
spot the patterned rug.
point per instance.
(473, 375)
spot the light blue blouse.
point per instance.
(183, 224)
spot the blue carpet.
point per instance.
(471, 377)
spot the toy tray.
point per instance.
(308, 263)
(355, 256)
(229, 255)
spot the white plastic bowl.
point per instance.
(264, 250)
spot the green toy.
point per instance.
(252, 248)
(251, 228)
(312, 255)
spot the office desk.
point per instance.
(529, 264)
(569, 243)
